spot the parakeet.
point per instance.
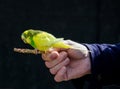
(42, 40)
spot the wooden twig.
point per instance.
(28, 51)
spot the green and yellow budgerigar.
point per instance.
(42, 40)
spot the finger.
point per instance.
(50, 56)
(61, 57)
(56, 68)
(61, 75)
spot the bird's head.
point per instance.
(28, 35)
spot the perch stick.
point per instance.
(28, 51)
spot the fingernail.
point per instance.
(54, 55)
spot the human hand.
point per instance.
(68, 64)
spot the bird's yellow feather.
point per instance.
(42, 40)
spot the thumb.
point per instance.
(77, 53)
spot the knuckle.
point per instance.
(67, 61)
(52, 71)
(48, 65)
(63, 55)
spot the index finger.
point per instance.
(49, 56)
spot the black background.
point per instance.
(84, 21)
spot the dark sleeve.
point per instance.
(105, 60)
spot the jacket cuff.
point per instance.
(95, 58)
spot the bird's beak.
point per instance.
(24, 41)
